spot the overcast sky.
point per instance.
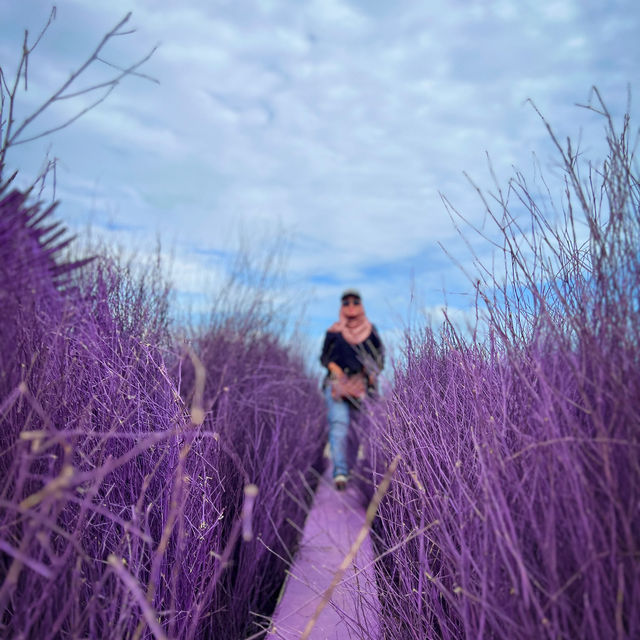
(337, 123)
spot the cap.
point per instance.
(350, 293)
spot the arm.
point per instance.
(378, 349)
(327, 349)
(335, 371)
(375, 349)
(328, 356)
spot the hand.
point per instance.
(344, 386)
(335, 371)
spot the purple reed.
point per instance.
(268, 428)
(514, 512)
(121, 502)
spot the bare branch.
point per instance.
(27, 50)
(64, 124)
(56, 95)
(52, 17)
(13, 137)
(50, 167)
(130, 71)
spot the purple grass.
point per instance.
(514, 513)
(149, 490)
(121, 501)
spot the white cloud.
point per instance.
(340, 121)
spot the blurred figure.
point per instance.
(354, 356)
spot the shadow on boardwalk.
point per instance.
(331, 528)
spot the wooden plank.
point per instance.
(331, 528)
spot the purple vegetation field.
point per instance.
(128, 466)
(516, 510)
(156, 487)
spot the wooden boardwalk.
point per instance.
(331, 528)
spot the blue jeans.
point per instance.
(339, 415)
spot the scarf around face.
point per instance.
(353, 324)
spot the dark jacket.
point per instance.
(366, 357)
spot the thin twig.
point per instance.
(361, 537)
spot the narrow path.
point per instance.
(331, 528)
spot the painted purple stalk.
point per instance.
(250, 493)
(132, 584)
(101, 458)
(514, 511)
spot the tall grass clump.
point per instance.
(144, 491)
(268, 432)
(514, 512)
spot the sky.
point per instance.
(338, 125)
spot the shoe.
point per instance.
(340, 482)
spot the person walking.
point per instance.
(353, 355)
